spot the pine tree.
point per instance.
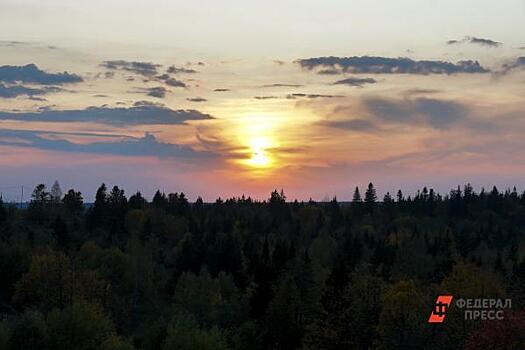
(357, 196)
(370, 198)
(370, 194)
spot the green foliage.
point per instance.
(48, 284)
(184, 333)
(29, 331)
(81, 326)
(243, 274)
(401, 318)
(4, 336)
(211, 300)
(116, 343)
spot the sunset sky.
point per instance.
(224, 98)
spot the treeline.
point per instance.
(128, 273)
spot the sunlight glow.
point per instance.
(259, 156)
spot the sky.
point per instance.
(225, 98)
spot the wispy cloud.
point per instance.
(355, 82)
(309, 96)
(140, 114)
(386, 65)
(146, 69)
(350, 124)
(281, 85)
(518, 63)
(265, 97)
(129, 146)
(196, 99)
(12, 91)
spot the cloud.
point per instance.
(519, 63)
(280, 85)
(356, 82)
(388, 115)
(221, 90)
(196, 99)
(309, 96)
(12, 43)
(477, 41)
(12, 91)
(146, 69)
(142, 113)
(168, 80)
(385, 65)
(329, 71)
(30, 73)
(129, 146)
(181, 70)
(175, 83)
(265, 97)
(419, 91)
(350, 124)
(158, 91)
(439, 114)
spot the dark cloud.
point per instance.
(265, 97)
(12, 91)
(142, 113)
(129, 146)
(30, 73)
(439, 114)
(329, 71)
(221, 90)
(356, 82)
(477, 41)
(175, 83)
(381, 114)
(310, 96)
(36, 98)
(385, 65)
(197, 99)
(280, 85)
(158, 91)
(146, 69)
(181, 70)
(172, 81)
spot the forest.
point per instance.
(127, 272)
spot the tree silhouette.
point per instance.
(357, 196)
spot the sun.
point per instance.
(259, 154)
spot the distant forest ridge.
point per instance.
(370, 194)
